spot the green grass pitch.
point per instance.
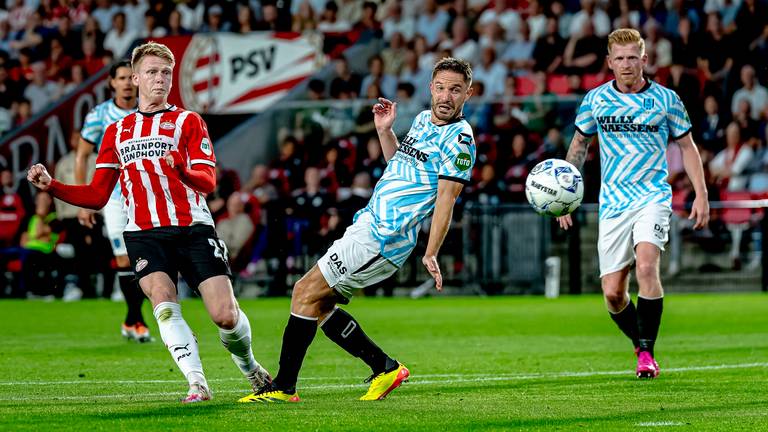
(506, 363)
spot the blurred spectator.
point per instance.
(547, 53)
(236, 228)
(491, 73)
(334, 172)
(489, 190)
(407, 108)
(460, 43)
(70, 39)
(270, 19)
(712, 128)
(192, 14)
(134, 11)
(119, 38)
(717, 60)
(259, 185)
(24, 112)
(584, 52)
(653, 10)
(677, 9)
(374, 163)
(557, 10)
(418, 77)
(590, 12)
(727, 9)
(59, 63)
(350, 10)
(394, 55)
(750, 22)
(360, 194)
(432, 22)
(686, 46)
(742, 116)
(344, 78)
(9, 91)
(6, 36)
(309, 202)
(728, 167)
(103, 14)
(289, 166)
(516, 163)
(174, 25)
(90, 32)
(424, 53)
(152, 27)
(751, 91)
(23, 70)
(41, 91)
(367, 22)
(537, 20)
(39, 240)
(32, 36)
(396, 22)
(658, 48)
(376, 76)
(688, 88)
(18, 13)
(518, 54)
(246, 22)
(77, 76)
(508, 19)
(215, 22)
(11, 209)
(305, 18)
(330, 22)
(479, 112)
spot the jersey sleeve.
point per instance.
(457, 153)
(107, 157)
(677, 118)
(197, 142)
(93, 128)
(585, 121)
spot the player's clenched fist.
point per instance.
(38, 176)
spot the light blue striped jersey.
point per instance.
(96, 122)
(407, 191)
(633, 131)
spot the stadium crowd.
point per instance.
(532, 60)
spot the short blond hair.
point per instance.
(153, 49)
(626, 36)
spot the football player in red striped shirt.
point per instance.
(163, 157)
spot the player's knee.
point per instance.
(615, 299)
(225, 318)
(646, 272)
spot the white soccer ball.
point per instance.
(554, 188)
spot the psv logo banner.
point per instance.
(225, 73)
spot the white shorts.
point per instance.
(115, 220)
(354, 261)
(618, 237)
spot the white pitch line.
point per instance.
(484, 376)
(418, 381)
(660, 423)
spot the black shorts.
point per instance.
(194, 251)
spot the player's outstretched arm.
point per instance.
(447, 192)
(577, 154)
(384, 113)
(695, 170)
(84, 149)
(92, 196)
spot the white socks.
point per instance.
(238, 342)
(180, 341)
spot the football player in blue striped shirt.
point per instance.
(634, 120)
(425, 173)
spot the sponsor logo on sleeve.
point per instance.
(205, 146)
(463, 161)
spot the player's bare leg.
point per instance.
(650, 304)
(234, 328)
(176, 334)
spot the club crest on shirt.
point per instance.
(205, 146)
(167, 126)
(141, 264)
(648, 103)
(465, 139)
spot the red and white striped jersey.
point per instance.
(154, 193)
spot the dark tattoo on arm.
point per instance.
(577, 152)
